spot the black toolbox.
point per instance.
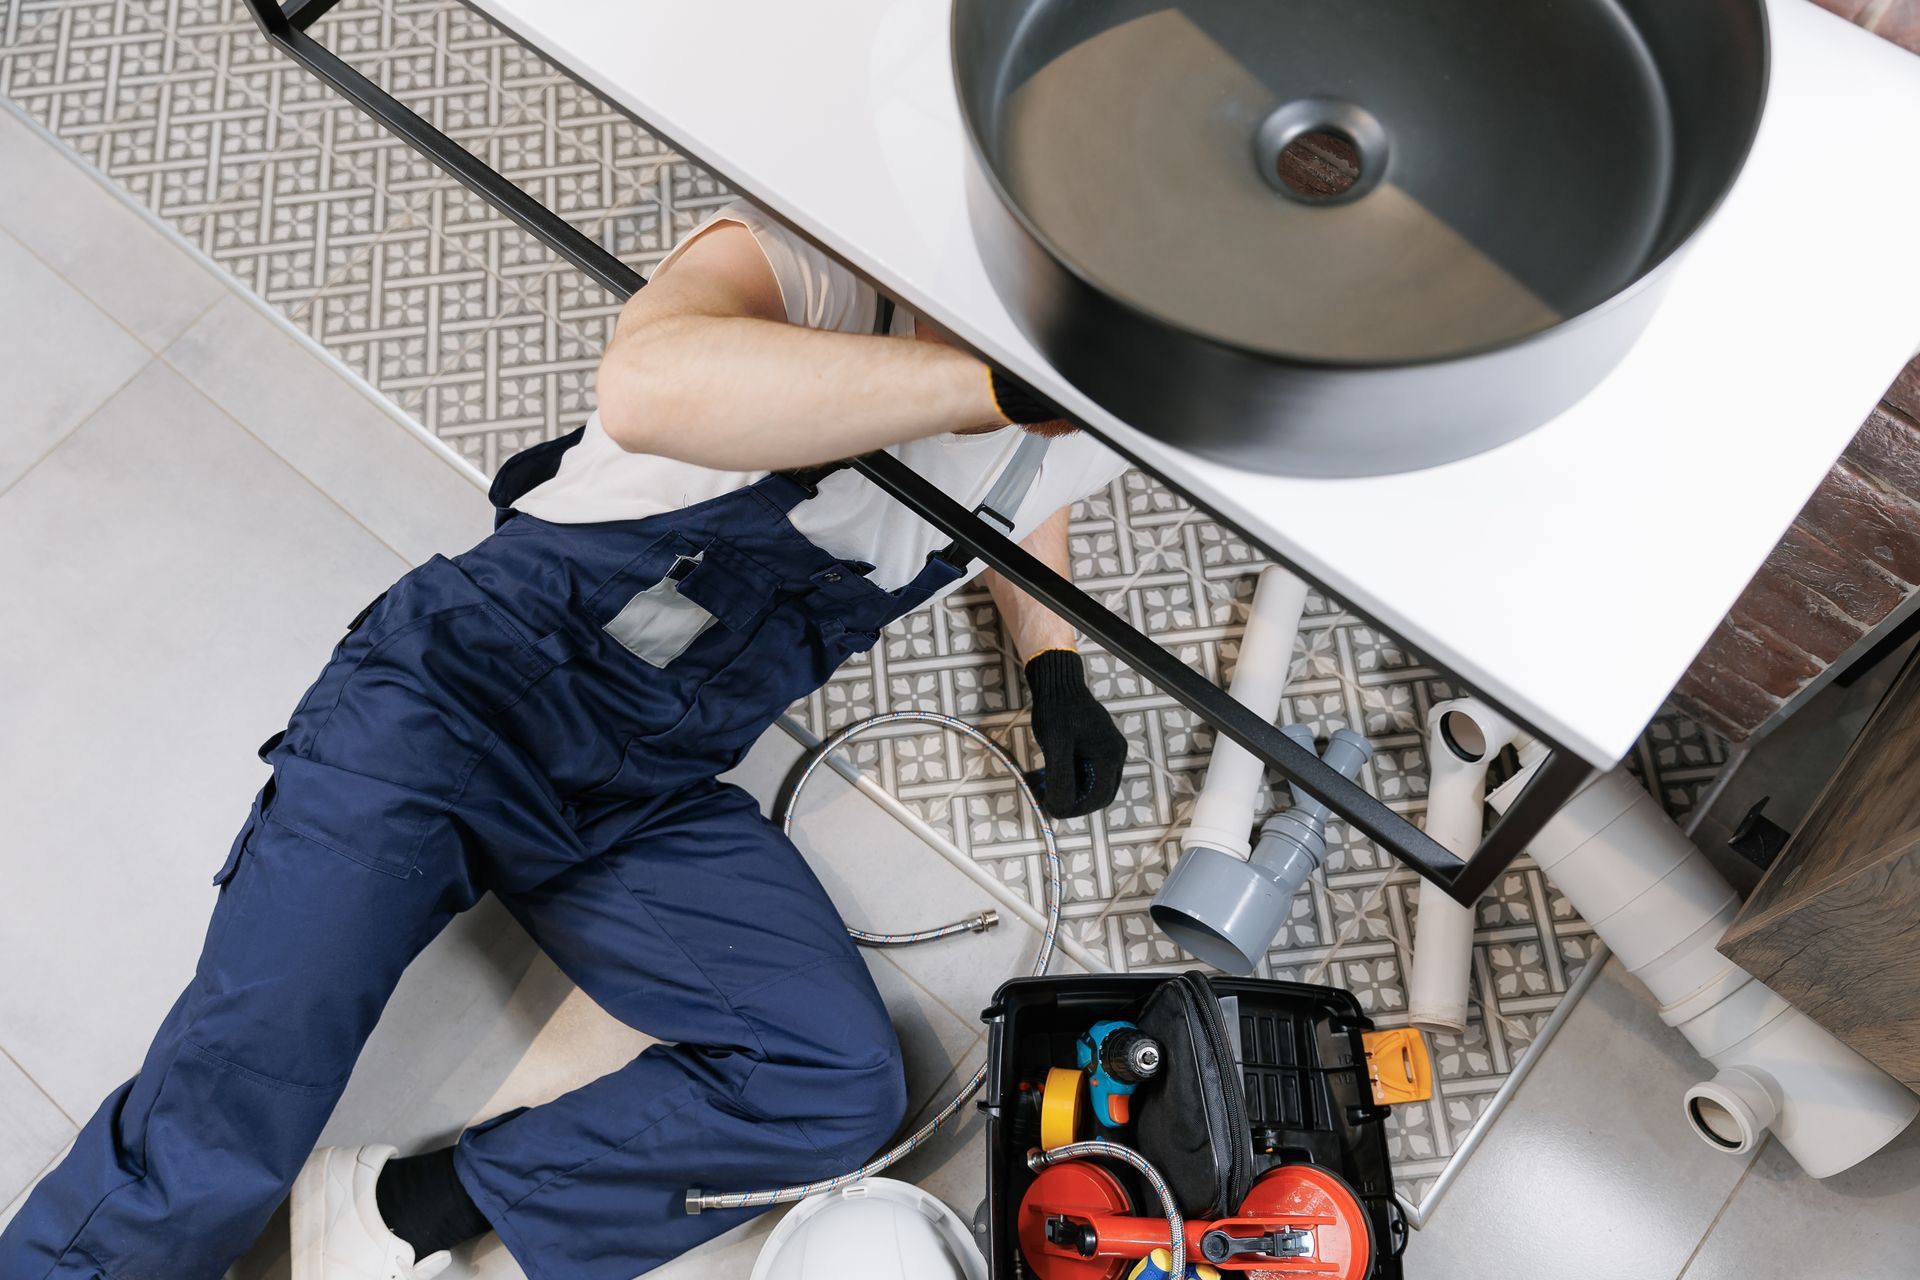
(1303, 1066)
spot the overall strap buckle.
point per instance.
(809, 478)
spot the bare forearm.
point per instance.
(1031, 627)
(752, 394)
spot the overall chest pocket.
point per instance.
(658, 624)
(684, 638)
(703, 588)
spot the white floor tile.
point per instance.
(953, 1165)
(410, 494)
(1590, 1172)
(576, 1044)
(172, 588)
(476, 1026)
(63, 358)
(1863, 1224)
(105, 249)
(935, 1043)
(12, 1209)
(32, 1130)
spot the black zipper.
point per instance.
(1238, 1136)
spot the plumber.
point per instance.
(545, 718)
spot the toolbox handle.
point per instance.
(996, 1025)
(1397, 1233)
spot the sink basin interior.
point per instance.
(1328, 181)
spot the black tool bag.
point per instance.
(1190, 1121)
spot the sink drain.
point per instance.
(1320, 151)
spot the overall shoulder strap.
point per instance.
(1002, 503)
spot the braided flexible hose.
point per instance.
(699, 1200)
(1176, 1223)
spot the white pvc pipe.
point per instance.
(1463, 737)
(1223, 812)
(1657, 902)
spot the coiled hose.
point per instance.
(699, 1200)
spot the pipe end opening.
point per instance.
(1730, 1112)
(1203, 941)
(1463, 736)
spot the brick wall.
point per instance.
(1851, 557)
(1853, 553)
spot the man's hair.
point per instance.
(1051, 430)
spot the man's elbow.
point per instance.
(640, 397)
(628, 399)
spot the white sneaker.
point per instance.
(337, 1230)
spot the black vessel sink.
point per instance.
(1347, 237)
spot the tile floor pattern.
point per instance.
(486, 338)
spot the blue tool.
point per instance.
(1117, 1057)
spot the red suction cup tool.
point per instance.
(1060, 1221)
(1298, 1222)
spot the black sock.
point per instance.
(421, 1201)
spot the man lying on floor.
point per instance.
(544, 718)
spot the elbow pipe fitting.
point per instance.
(1227, 910)
(1463, 737)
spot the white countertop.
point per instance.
(1571, 575)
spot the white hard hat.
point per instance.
(878, 1229)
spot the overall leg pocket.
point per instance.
(369, 775)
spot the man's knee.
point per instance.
(834, 1064)
(876, 1092)
(866, 1082)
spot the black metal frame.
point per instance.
(1464, 880)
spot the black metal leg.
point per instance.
(532, 216)
(1463, 880)
(1559, 777)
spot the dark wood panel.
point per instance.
(1835, 925)
(1871, 806)
(1849, 958)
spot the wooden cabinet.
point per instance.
(1835, 925)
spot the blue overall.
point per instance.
(481, 730)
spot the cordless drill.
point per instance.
(1117, 1057)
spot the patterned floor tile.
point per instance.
(67, 69)
(485, 337)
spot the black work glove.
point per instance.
(1082, 747)
(1020, 404)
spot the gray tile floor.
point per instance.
(163, 478)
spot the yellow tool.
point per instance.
(1063, 1108)
(1158, 1265)
(1398, 1066)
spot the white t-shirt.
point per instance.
(598, 480)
